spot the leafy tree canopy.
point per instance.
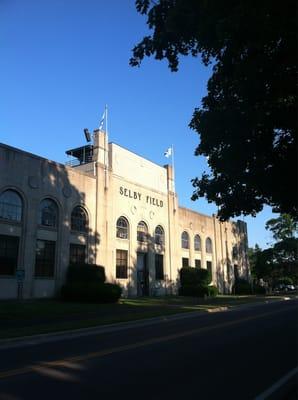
(248, 121)
(281, 259)
(283, 227)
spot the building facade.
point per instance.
(110, 207)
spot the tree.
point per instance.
(247, 122)
(280, 261)
(283, 227)
(253, 254)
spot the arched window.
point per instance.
(48, 213)
(197, 243)
(79, 220)
(11, 205)
(208, 245)
(122, 228)
(159, 236)
(142, 232)
(185, 240)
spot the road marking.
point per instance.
(113, 350)
(277, 385)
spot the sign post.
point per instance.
(20, 276)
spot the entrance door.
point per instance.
(142, 275)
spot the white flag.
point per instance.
(102, 120)
(168, 152)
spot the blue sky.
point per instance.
(62, 60)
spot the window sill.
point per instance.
(47, 228)
(10, 222)
(49, 278)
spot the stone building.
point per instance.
(110, 207)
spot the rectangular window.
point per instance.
(9, 248)
(77, 254)
(209, 267)
(121, 264)
(198, 263)
(45, 258)
(159, 275)
(185, 262)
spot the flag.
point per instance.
(102, 120)
(168, 152)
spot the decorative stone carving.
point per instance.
(133, 209)
(33, 182)
(66, 191)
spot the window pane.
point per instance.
(185, 262)
(197, 243)
(122, 228)
(208, 245)
(121, 264)
(198, 263)
(142, 232)
(159, 274)
(48, 213)
(9, 247)
(45, 258)
(10, 206)
(79, 220)
(185, 240)
(77, 254)
(159, 235)
(209, 267)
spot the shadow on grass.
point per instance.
(43, 316)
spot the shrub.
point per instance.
(194, 282)
(188, 276)
(259, 289)
(196, 291)
(202, 291)
(95, 292)
(204, 276)
(86, 273)
(242, 286)
(212, 291)
(188, 290)
(284, 281)
(194, 276)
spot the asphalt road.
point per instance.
(227, 355)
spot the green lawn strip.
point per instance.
(43, 316)
(87, 323)
(35, 309)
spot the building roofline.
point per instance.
(196, 212)
(27, 153)
(145, 158)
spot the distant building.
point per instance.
(110, 207)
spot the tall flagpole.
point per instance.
(106, 146)
(173, 168)
(106, 118)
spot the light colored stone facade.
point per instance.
(114, 183)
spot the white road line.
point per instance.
(277, 385)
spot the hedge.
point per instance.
(242, 286)
(194, 276)
(212, 291)
(95, 292)
(86, 273)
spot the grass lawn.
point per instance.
(22, 318)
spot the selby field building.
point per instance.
(109, 207)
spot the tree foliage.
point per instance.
(248, 121)
(279, 261)
(282, 228)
